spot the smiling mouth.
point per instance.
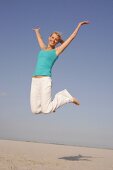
(52, 42)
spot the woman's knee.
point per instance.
(47, 110)
(35, 111)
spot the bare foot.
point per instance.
(75, 101)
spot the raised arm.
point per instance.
(39, 38)
(61, 48)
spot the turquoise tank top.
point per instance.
(45, 62)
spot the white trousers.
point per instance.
(40, 97)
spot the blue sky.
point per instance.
(84, 69)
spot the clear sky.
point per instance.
(85, 69)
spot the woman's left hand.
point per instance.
(83, 23)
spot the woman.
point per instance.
(40, 98)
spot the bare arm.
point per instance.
(61, 48)
(39, 38)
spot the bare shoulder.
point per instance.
(58, 50)
(44, 48)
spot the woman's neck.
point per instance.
(49, 47)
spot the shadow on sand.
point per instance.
(76, 158)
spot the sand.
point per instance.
(19, 155)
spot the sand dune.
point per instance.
(18, 155)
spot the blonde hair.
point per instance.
(57, 33)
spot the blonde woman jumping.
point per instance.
(40, 97)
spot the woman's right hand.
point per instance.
(36, 28)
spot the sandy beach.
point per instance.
(19, 155)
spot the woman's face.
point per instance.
(54, 40)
